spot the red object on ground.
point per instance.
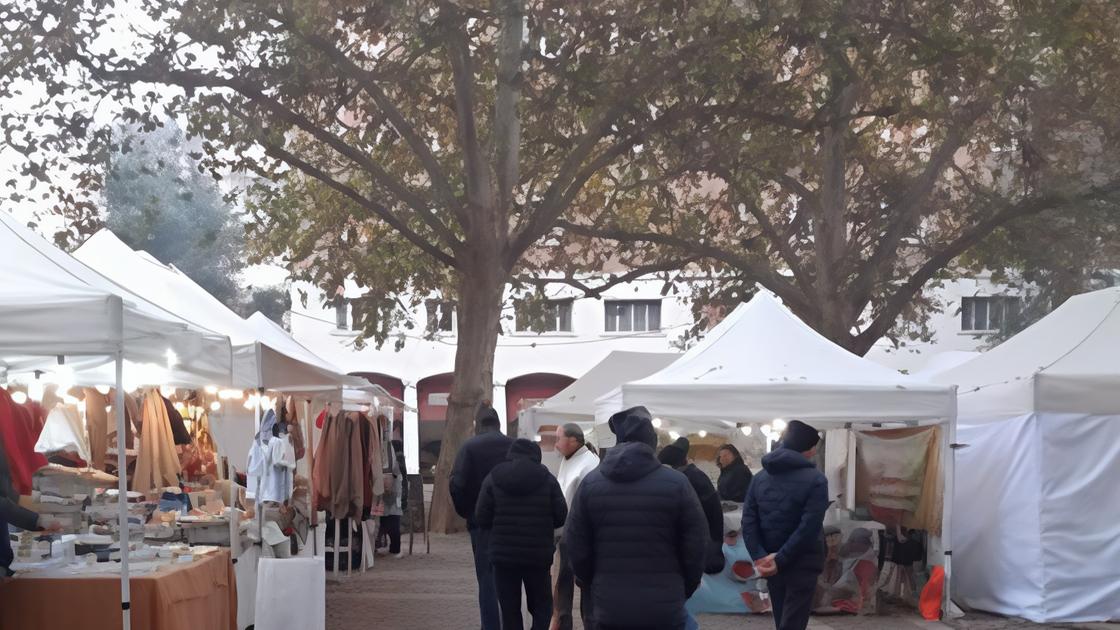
(930, 603)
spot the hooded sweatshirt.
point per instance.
(636, 534)
(521, 503)
(784, 512)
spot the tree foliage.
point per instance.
(414, 146)
(863, 147)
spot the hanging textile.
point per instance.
(280, 465)
(295, 429)
(899, 477)
(320, 473)
(63, 433)
(157, 465)
(178, 428)
(19, 433)
(97, 427)
(348, 476)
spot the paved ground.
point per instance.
(437, 591)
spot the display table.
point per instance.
(201, 594)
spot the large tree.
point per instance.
(865, 146)
(411, 146)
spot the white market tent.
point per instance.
(1038, 531)
(576, 402)
(257, 364)
(53, 305)
(762, 363)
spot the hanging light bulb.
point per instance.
(657, 423)
(19, 398)
(251, 401)
(537, 438)
(766, 430)
(747, 430)
(172, 358)
(779, 425)
(63, 377)
(211, 389)
(703, 434)
(674, 435)
(215, 406)
(103, 389)
(35, 390)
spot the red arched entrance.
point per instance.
(527, 390)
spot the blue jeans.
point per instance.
(484, 572)
(691, 623)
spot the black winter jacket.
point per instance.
(478, 456)
(521, 503)
(734, 481)
(784, 512)
(713, 514)
(636, 536)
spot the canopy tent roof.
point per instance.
(276, 337)
(256, 362)
(1064, 363)
(55, 305)
(576, 402)
(763, 363)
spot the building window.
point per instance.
(557, 317)
(633, 316)
(987, 314)
(441, 316)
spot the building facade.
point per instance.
(531, 366)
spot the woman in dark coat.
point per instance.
(522, 505)
(734, 476)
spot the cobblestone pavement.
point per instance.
(437, 591)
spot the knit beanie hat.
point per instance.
(676, 454)
(634, 425)
(524, 449)
(800, 437)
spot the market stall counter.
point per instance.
(169, 595)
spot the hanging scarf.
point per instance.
(97, 427)
(157, 465)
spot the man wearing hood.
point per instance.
(522, 505)
(636, 533)
(477, 457)
(782, 525)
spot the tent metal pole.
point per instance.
(260, 443)
(310, 448)
(950, 443)
(122, 489)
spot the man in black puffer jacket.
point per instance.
(477, 457)
(636, 534)
(675, 456)
(522, 505)
(782, 523)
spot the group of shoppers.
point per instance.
(634, 532)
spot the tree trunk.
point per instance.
(478, 314)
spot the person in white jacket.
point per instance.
(579, 459)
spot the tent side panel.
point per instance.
(997, 563)
(1080, 517)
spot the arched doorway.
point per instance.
(431, 403)
(525, 391)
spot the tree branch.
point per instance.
(892, 308)
(597, 291)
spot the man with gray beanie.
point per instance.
(636, 534)
(782, 522)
